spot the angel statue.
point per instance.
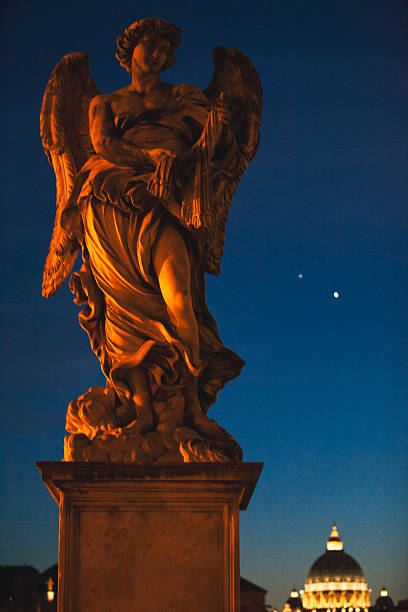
(145, 178)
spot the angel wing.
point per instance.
(236, 81)
(65, 136)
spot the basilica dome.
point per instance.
(336, 581)
(335, 565)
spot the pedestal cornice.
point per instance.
(60, 476)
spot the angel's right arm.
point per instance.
(106, 143)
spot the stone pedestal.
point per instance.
(149, 538)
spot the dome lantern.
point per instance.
(334, 542)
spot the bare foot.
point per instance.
(200, 421)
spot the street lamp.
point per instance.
(50, 589)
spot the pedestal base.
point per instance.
(149, 538)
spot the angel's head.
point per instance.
(126, 42)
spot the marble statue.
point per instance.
(145, 177)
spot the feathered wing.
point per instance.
(64, 128)
(237, 84)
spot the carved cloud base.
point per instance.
(103, 430)
(149, 537)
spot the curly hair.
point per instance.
(126, 42)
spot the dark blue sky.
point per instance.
(322, 398)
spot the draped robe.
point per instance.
(117, 221)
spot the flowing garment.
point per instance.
(117, 221)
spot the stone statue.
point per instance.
(145, 178)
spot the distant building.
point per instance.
(384, 602)
(335, 581)
(24, 589)
(402, 606)
(252, 597)
(294, 602)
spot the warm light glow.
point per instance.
(329, 595)
(335, 586)
(334, 542)
(334, 545)
(384, 593)
(336, 592)
(294, 593)
(50, 591)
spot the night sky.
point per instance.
(321, 399)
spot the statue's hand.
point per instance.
(156, 154)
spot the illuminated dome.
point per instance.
(294, 603)
(384, 602)
(336, 581)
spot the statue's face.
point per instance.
(151, 53)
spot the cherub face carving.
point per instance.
(151, 53)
